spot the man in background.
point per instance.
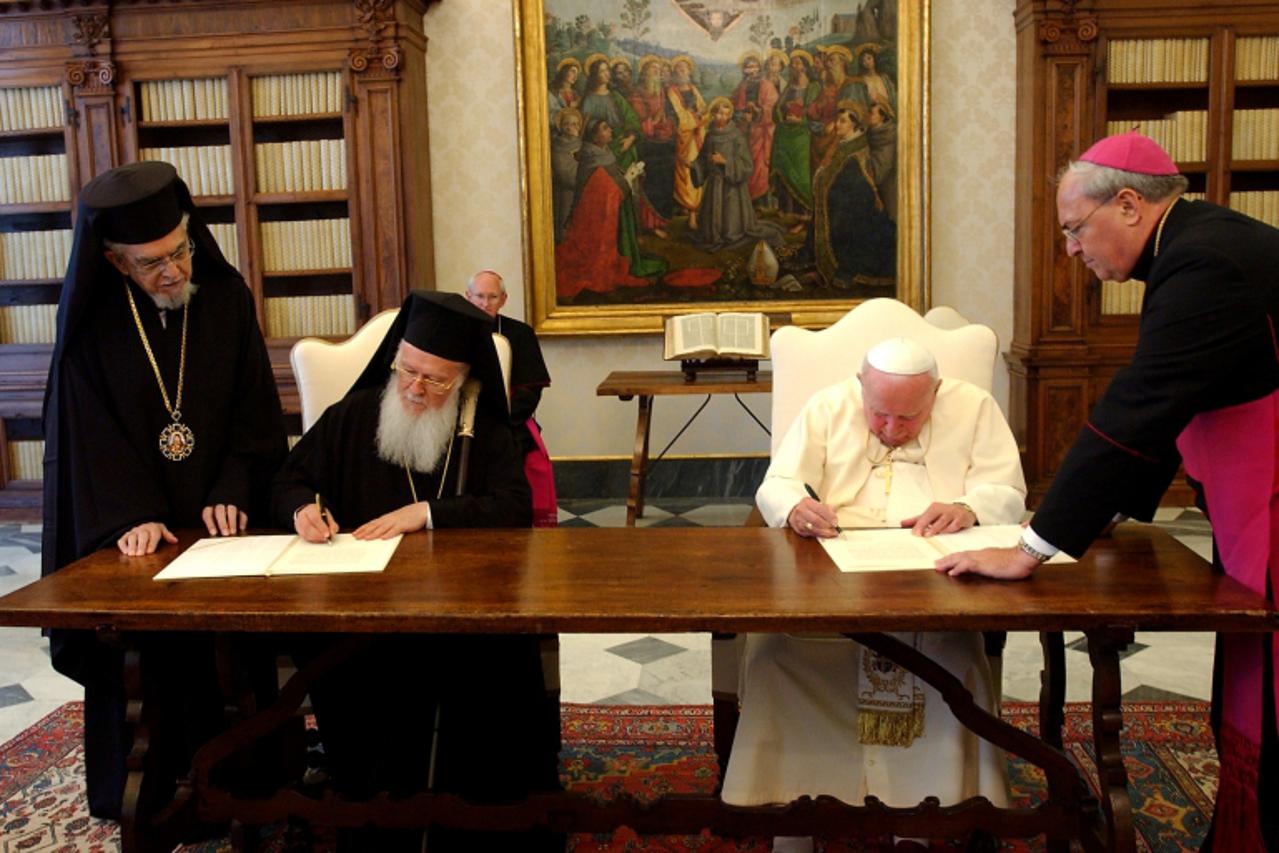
(529, 376)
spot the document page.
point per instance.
(226, 557)
(346, 555)
(898, 548)
(266, 556)
(880, 550)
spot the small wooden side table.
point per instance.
(647, 384)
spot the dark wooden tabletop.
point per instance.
(631, 383)
(625, 580)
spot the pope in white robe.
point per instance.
(895, 446)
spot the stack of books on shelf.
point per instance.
(1171, 60)
(34, 255)
(1257, 58)
(311, 244)
(1183, 134)
(26, 460)
(297, 316)
(183, 100)
(1261, 204)
(305, 165)
(1256, 135)
(28, 324)
(205, 168)
(31, 108)
(228, 241)
(34, 178)
(316, 93)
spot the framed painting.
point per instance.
(717, 155)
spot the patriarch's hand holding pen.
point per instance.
(314, 523)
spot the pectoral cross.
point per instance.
(885, 470)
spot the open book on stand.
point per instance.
(707, 341)
(706, 335)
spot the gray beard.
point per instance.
(179, 300)
(417, 441)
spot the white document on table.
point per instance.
(268, 556)
(893, 548)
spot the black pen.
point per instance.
(319, 505)
(812, 493)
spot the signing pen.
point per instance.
(319, 505)
(812, 493)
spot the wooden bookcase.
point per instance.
(1190, 73)
(300, 127)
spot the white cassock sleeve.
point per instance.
(800, 459)
(993, 484)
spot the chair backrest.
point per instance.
(503, 347)
(325, 371)
(805, 361)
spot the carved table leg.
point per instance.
(1052, 699)
(1104, 646)
(639, 461)
(131, 834)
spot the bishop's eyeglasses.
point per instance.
(1072, 233)
(180, 255)
(429, 385)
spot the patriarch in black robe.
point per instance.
(1202, 390)
(383, 467)
(160, 412)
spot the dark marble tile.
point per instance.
(646, 650)
(13, 694)
(576, 522)
(1081, 645)
(632, 697)
(1146, 693)
(675, 521)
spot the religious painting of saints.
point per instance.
(695, 155)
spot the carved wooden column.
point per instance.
(91, 77)
(390, 146)
(1050, 363)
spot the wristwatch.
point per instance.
(1028, 549)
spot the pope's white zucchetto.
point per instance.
(901, 357)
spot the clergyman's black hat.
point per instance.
(134, 204)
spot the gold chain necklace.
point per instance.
(177, 442)
(1159, 232)
(440, 493)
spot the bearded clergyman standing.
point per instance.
(160, 413)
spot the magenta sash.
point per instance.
(1234, 453)
(541, 480)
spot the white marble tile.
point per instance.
(615, 516)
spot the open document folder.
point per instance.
(267, 556)
(875, 550)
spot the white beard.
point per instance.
(177, 300)
(416, 440)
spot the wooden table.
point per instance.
(691, 579)
(647, 384)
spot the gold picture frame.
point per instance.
(628, 225)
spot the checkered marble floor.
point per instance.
(652, 669)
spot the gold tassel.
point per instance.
(891, 728)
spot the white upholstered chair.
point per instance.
(325, 371)
(805, 362)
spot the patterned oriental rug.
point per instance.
(649, 751)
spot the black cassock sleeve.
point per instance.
(1204, 343)
(497, 494)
